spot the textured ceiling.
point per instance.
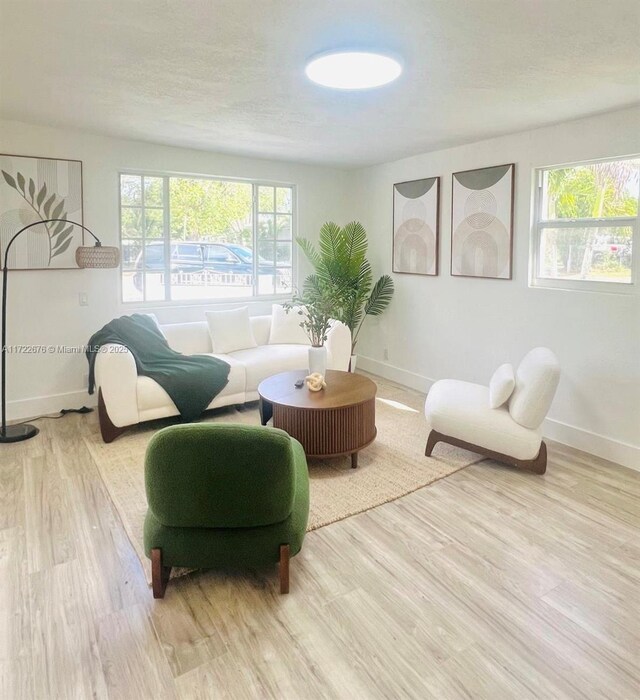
(228, 75)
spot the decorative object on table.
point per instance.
(416, 224)
(315, 381)
(252, 506)
(392, 466)
(461, 413)
(343, 271)
(97, 256)
(35, 189)
(482, 222)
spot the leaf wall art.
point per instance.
(36, 189)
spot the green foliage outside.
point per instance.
(598, 190)
(209, 210)
(212, 210)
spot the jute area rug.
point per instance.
(392, 466)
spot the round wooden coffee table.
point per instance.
(339, 420)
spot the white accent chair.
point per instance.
(459, 413)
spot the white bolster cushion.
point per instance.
(501, 385)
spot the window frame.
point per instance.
(166, 239)
(538, 225)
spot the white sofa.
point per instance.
(460, 413)
(125, 399)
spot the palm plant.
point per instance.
(343, 273)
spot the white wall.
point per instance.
(436, 327)
(44, 306)
(458, 327)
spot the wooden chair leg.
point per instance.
(432, 440)
(108, 430)
(539, 464)
(284, 568)
(159, 574)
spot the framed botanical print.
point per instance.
(36, 189)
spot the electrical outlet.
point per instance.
(83, 299)
(385, 354)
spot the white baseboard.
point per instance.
(599, 445)
(395, 374)
(43, 405)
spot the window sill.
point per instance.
(619, 288)
(180, 303)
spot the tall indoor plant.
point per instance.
(342, 269)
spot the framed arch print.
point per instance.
(482, 222)
(416, 226)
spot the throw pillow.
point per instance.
(285, 327)
(230, 330)
(501, 386)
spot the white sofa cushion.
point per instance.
(537, 379)
(285, 327)
(501, 385)
(230, 330)
(461, 410)
(261, 327)
(190, 338)
(265, 360)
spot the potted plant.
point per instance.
(342, 269)
(315, 307)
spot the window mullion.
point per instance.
(144, 240)
(166, 237)
(254, 236)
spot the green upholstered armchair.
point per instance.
(222, 496)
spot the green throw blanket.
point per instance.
(192, 381)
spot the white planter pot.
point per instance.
(353, 363)
(318, 360)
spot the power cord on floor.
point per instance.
(62, 414)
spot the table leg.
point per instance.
(354, 460)
(266, 411)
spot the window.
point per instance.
(586, 225)
(186, 238)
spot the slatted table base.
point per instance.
(330, 432)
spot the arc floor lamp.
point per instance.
(95, 256)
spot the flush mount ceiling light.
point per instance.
(353, 70)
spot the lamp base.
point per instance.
(16, 433)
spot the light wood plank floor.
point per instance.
(488, 584)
